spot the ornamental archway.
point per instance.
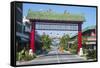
(68, 22)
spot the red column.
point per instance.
(79, 37)
(32, 38)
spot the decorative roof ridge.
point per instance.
(51, 15)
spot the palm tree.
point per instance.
(47, 41)
(64, 42)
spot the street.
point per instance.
(54, 56)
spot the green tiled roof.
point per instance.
(85, 29)
(89, 28)
(46, 15)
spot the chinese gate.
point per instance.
(63, 23)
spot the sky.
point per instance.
(88, 12)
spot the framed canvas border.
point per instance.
(13, 33)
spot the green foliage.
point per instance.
(75, 45)
(91, 54)
(74, 48)
(84, 40)
(23, 55)
(46, 41)
(17, 56)
(85, 51)
(64, 41)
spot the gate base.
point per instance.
(80, 53)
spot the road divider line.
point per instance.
(57, 57)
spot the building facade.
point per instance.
(88, 38)
(23, 30)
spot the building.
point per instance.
(88, 38)
(23, 36)
(89, 35)
(23, 29)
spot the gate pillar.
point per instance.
(32, 37)
(80, 51)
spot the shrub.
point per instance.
(17, 56)
(24, 56)
(85, 51)
(91, 54)
(74, 49)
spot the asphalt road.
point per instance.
(54, 56)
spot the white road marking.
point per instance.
(57, 57)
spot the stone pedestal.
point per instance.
(80, 53)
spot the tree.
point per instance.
(74, 47)
(64, 42)
(46, 42)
